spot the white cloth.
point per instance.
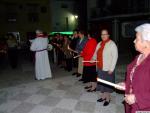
(31, 40)
(80, 65)
(110, 55)
(50, 47)
(42, 66)
(144, 29)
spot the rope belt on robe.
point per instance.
(40, 50)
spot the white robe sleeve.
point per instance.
(33, 45)
(39, 44)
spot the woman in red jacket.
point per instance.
(89, 69)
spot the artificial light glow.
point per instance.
(72, 18)
(76, 16)
(64, 32)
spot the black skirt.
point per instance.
(105, 76)
(89, 74)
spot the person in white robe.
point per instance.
(42, 66)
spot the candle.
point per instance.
(90, 61)
(110, 83)
(77, 56)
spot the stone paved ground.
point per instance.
(20, 93)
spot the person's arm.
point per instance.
(114, 55)
(94, 57)
(83, 53)
(90, 50)
(33, 46)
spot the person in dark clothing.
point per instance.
(67, 54)
(79, 47)
(72, 45)
(3, 51)
(12, 50)
(59, 51)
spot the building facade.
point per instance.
(119, 17)
(24, 16)
(63, 15)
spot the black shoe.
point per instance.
(69, 70)
(84, 82)
(100, 100)
(81, 79)
(78, 75)
(106, 103)
(94, 90)
(87, 87)
(62, 67)
(74, 73)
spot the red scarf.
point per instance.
(100, 54)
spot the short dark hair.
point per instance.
(82, 32)
(76, 30)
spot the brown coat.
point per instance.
(67, 53)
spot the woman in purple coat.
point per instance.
(137, 83)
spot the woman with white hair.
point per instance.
(137, 87)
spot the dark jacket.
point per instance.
(80, 45)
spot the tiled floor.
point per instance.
(61, 94)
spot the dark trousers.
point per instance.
(60, 57)
(69, 64)
(13, 57)
(75, 61)
(51, 56)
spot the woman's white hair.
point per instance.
(144, 29)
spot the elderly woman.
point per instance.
(137, 92)
(106, 54)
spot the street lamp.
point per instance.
(75, 16)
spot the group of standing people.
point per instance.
(98, 59)
(136, 84)
(91, 57)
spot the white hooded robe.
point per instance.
(42, 66)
